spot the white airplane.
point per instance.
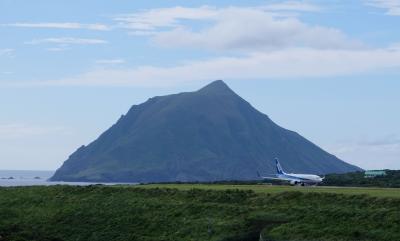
(294, 179)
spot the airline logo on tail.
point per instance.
(279, 169)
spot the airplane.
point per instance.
(292, 178)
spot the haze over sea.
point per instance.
(9, 178)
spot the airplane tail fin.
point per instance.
(279, 167)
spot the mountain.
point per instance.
(207, 135)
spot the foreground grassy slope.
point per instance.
(151, 214)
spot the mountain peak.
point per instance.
(217, 86)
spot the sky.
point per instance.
(329, 70)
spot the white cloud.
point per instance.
(254, 30)
(7, 72)
(6, 52)
(287, 63)
(110, 61)
(171, 17)
(163, 17)
(67, 41)
(292, 6)
(392, 7)
(142, 33)
(57, 49)
(234, 28)
(96, 26)
(19, 130)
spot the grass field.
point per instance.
(375, 192)
(197, 213)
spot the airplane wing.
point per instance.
(288, 179)
(280, 178)
(272, 178)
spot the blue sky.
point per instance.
(326, 69)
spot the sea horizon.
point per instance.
(15, 178)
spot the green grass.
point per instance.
(375, 192)
(196, 213)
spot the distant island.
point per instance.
(208, 135)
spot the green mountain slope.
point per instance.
(207, 135)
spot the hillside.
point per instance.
(67, 213)
(207, 135)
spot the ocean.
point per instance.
(13, 178)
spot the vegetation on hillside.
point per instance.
(161, 214)
(357, 179)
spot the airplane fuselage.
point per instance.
(295, 179)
